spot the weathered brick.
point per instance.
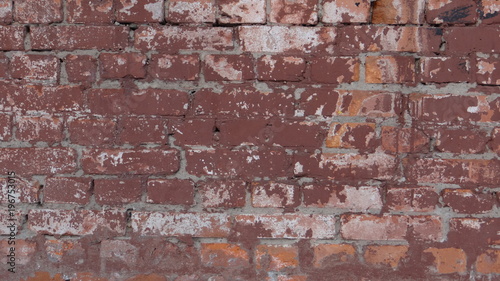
(489, 11)
(275, 195)
(281, 68)
(170, 191)
(122, 65)
(494, 144)
(484, 230)
(488, 262)
(25, 190)
(294, 12)
(412, 199)
(42, 11)
(392, 12)
(77, 222)
(234, 132)
(192, 131)
(180, 224)
(60, 251)
(24, 250)
(148, 277)
(226, 194)
(140, 130)
(464, 40)
(33, 161)
(448, 260)
(445, 70)
(90, 11)
(403, 140)
(390, 69)
(12, 37)
(189, 11)
(488, 71)
(326, 255)
(35, 67)
(81, 68)
(92, 132)
(352, 135)
(327, 195)
(345, 11)
(44, 128)
(4, 66)
(67, 190)
(224, 255)
(174, 38)
(72, 37)
(288, 225)
(228, 68)
(276, 257)
(144, 11)
(117, 191)
(5, 11)
(295, 134)
(175, 67)
(288, 277)
(138, 161)
(451, 12)
(468, 201)
(460, 141)
(287, 39)
(6, 127)
(334, 70)
(235, 11)
(388, 255)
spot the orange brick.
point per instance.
(276, 257)
(328, 253)
(489, 262)
(44, 276)
(393, 12)
(87, 276)
(449, 260)
(390, 69)
(385, 255)
(294, 11)
(223, 255)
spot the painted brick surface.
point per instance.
(249, 140)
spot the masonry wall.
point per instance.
(234, 140)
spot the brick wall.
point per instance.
(248, 140)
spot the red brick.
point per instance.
(25, 251)
(67, 190)
(494, 144)
(387, 255)
(143, 102)
(44, 128)
(334, 70)
(228, 67)
(287, 39)
(287, 225)
(326, 255)
(276, 257)
(192, 131)
(90, 11)
(346, 166)
(484, 230)
(44, 276)
(117, 191)
(12, 37)
(144, 11)
(445, 70)
(33, 161)
(489, 11)
(448, 260)
(4, 66)
(295, 134)
(244, 101)
(392, 12)
(224, 255)
(138, 161)
(327, 195)
(235, 11)
(122, 65)
(174, 38)
(226, 194)
(489, 262)
(148, 277)
(175, 67)
(468, 201)
(451, 12)
(275, 195)
(77, 222)
(464, 40)
(238, 163)
(10, 218)
(294, 12)
(170, 191)
(26, 190)
(461, 141)
(92, 132)
(140, 130)
(366, 38)
(234, 132)
(189, 11)
(81, 68)
(35, 67)
(345, 11)
(390, 69)
(281, 68)
(6, 127)
(456, 171)
(180, 224)
(5, 11)
(412, 199)
(41, 11)
(404, 140)
(351, 135)
(72, 37)
(119, 253)
(488, 71)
